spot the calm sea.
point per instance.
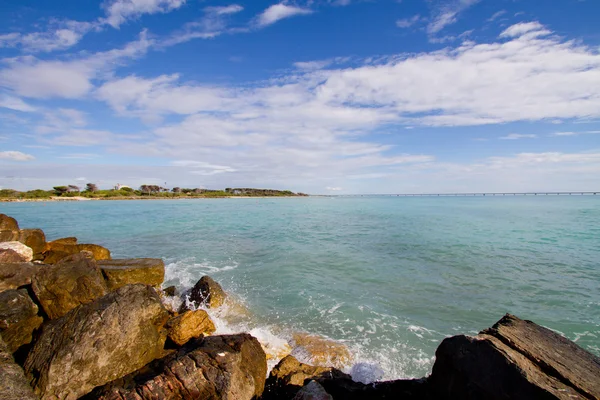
(389, 277)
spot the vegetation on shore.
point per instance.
(91, 191)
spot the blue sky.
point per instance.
(320, 96)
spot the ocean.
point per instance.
(388, 277)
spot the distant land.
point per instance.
(122, 192)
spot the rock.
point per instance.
(170, 291)
(9, 256)
(208, 292)
(320, 351)
(312, 391)
(190, 324)
(15, 275)
(18, 318)
(149, 271)
(25, 252)
(13, 384)
(289, 376)
(61, 248)
(35, 239)
(97, 343)
(229, 367)
(9, 228)
(514, 359)
(74, 281)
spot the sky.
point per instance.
(317, 96)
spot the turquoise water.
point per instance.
(389, 277)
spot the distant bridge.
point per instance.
(481, 194)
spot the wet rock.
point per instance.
(190, 324)
(74, 281)
(61, 248)
(290, 375)
(97, 343)
(24, 253)
(320, 351)
(9, 228)
(208, 292)
(149, 271)
(229, 367)
(15, 275)
(514, 359)
(13, 384)
(170, 291)
(313, 391)
(35, 239)
(18, 318)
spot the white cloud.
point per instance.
(574, 133)
(231, 9)
(119, 11)
(515, 136)
(280, 11)
(408, 22)
(14, 103)
(533, 28)
(334, 188)
(15, 156)
(496, 15)
(447, 13)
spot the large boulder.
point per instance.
(13, 384)
(229, 367)
(35, 239)
(312, 391)
(74, 281)
(149, 271)
(15, 275)
(18, 318)
(320, 351)
(25, 253)
(61, 248)
(9, 256)
(514, 359)
(9, 228)
(97, 343)
(207, 292)
(190, 324)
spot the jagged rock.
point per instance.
(289, 376)
(61, 287)
(229, 367)
(320, 351)
(61, 248)
(313, 391)
(9, 256)
(208, 292)
(97, 343)
(35, 239)
(190, 324)
(9, 228)
(514, 359)
(13, 384)
(149, 271)
(170, 291)
(18, 318)
(25, 253)
(15, 275)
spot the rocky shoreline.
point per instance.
(75, 323)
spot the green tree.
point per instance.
(60, 190)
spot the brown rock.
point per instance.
(208, 292)
(18, 318)
(99, 252)
(515, 359)
(97, 343)
(149, 271)
(15, 275)
(170, 291)
(13, 384)
(35, 239)
(74, 281)
(67, 240)
(10, 256)
(229, 367)
(61, 248)
(320, 350)
(25, 253)
(9, 236)
(190, 324)
(313, 391)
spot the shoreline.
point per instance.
(80, 198)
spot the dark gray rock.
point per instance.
(18, 318)
(13, 384)
(15, 275)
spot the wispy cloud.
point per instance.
(446, 13)
(278, 12)
(119, 11)
(15, 156)
(496, 15)
(574, 133)
(408, 22)
(515, 136)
